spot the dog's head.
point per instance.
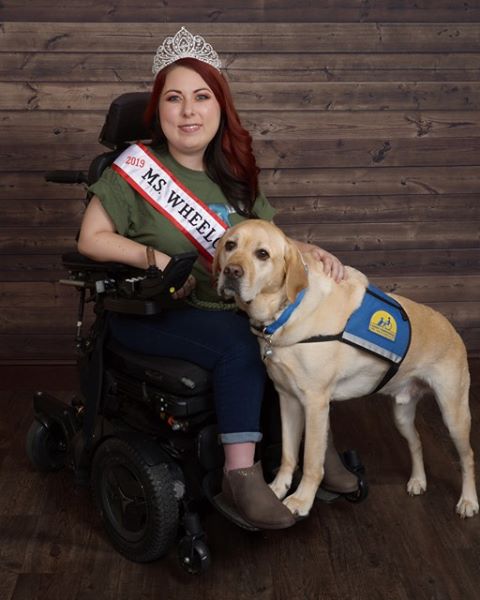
(255, 258)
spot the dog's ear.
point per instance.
(216, 258)
(296, 271)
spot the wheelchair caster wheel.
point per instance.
(46, 446)
(136, 501)
(360, 494)
(194, 555)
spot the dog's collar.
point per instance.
(284, 316)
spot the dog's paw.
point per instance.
(297, 506)
(280, 486)
(415, 486)
(467, 508)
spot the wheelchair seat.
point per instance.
(179, 388)
(172, 386)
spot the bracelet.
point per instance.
(151, 262)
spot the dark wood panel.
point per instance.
(47, 240)
(240, 11)
(32, 267)
(315, 96)
(227, 37)
(387, 125)
(42, 212)
(420, 151)
(357, 96)
(351, 67)
(380, 209)
(424, 261)
(295, 182)
(39, 321)
(253, 67)
(431, 289)
(27, 186)
(63, 127)
(387, 180)
(463, 315)
(42, 295)
(276, 154)
(370, 236)
(53, 128)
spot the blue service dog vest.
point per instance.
(379, 325)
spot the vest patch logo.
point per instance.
(382, 323)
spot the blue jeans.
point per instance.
(219, 341)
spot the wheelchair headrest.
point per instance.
(124, 120)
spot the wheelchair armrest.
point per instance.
(129, 290)
(74, 261)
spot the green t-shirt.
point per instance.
(136, 219)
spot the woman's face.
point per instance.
(189, 116)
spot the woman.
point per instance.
(198, 177)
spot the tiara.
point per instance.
(184, 45)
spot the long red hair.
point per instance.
(229, 158)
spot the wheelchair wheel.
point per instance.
(194, 556)
(46, 446)
(136, 501)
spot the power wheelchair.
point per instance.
(142, 429)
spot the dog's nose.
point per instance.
(233, 271)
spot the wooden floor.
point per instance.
(391, 547)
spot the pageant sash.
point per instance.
(162, 190)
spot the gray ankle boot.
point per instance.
(247, 492)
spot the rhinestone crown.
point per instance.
(184, 45)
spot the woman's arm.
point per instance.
(332, 265)
(99, 240)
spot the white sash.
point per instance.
(162, 190)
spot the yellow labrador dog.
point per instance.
(264, 271)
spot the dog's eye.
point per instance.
(230, 246)
(262, 254)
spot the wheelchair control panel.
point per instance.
(156, 282)
(119, 280)
(124, 289)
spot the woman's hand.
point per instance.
(331, 265)
(186, 289)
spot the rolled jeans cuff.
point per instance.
(240, 437)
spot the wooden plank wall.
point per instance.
(365, 117)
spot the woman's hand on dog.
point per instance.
(331, 265)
